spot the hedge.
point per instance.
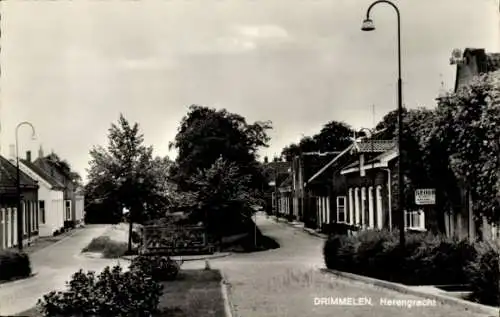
(427, 259)
(14, 264)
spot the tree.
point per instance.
(221, 196)
(468, 123)
(334, 136)
(126, 173)
(205, 134)
(65, 167)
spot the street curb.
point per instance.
(444, 299)
(228, 306)
(208, 257)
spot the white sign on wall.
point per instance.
(426, 196)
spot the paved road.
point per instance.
(285, 282)
(55, 265)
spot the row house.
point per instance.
(50, 197)
(334, 208)
(309, 196)
(277, 173)
(9, 204)
(72, 195)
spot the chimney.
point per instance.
(40, 152)
(12, 152)
(28, 156)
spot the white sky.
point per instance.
(70, 67)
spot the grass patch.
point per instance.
(194, 293)
(109, 248)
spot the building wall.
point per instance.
(9, 215)
(79, 208)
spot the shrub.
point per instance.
(483, 274)
(158, 267)
(14, 264)
(112, 293)
(426, 258)
(109, 248)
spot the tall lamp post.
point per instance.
(18, 183)
(369, 26)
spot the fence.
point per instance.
(175, 240)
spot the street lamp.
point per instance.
(18, 184)
(369, 26)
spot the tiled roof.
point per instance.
(377, 146)
(8, 175)
(40, 172)
(493, 61)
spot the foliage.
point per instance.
(111, 293)
(468, 124)
(109, 248)
(206, 134)
(484, 275)
(65, 167)
(334, 136)
(14, 264)
(454, 146)
(222, 196)
(125, 174)
(158, 267)
(426, 258)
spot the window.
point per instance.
(68, 209)
(41, 208)
(341, 209)
(415, 220)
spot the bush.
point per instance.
(426, 259)
(159, 268)
(112, 293)
(14, 264)
(483, 274)
(109, 248)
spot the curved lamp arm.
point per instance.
(33, 136)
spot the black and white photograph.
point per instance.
(250, 158)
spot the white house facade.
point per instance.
(50, 199)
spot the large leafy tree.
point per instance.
(334, 136)
(468, 123)
(205, 134)
(220, 191)
(126, 173)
